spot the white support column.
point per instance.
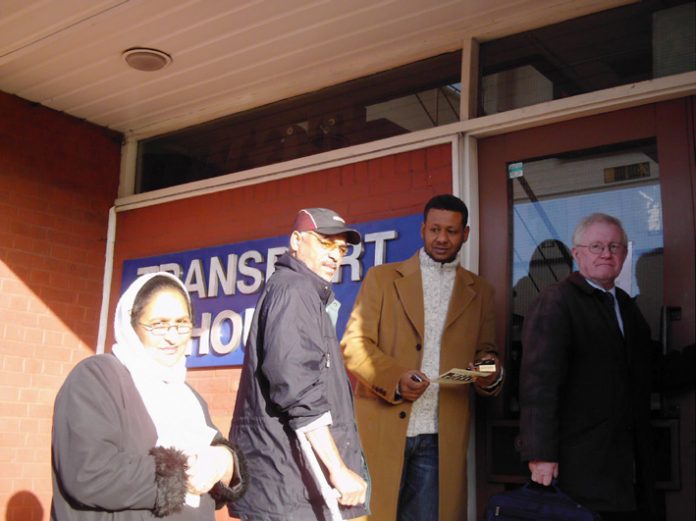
(466, 184)
(106, 284)
(129, 159)
(468, 100)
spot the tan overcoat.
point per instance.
(384, 338)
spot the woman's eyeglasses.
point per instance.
(161, 328)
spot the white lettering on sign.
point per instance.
(248, 315)
(273, 254)
(224, 331)
(241, 273)
(352, 260)
(210, 333)
(224, 276)
(202, 332)
(236, 329)
(173, 268)
(195, 281)
(255, 274)
(380, 239)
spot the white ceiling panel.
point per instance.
(231, 55)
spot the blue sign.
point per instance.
(225, 282)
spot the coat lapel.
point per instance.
(623, 300)
(409, 288)
(609, 320)
(462, 295)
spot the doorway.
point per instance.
(535, 185)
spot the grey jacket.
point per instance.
(293, 373)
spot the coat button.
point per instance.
(418, 347)
(402, 415)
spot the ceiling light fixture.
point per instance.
(144, 59)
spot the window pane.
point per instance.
(641, 41)
(550, 197)
(421, 95)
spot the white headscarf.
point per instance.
(174, 409)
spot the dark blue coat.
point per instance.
(293, 373)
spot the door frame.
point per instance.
(671, 123)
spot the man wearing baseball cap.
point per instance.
(294, 417)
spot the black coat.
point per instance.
(293, 373)
(585, 394)
(102, 468)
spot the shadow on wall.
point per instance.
(58, 178)
(24, 506)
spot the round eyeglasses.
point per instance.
(161, 329)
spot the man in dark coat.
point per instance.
(294, 417)
(585, 382)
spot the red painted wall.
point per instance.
(58, 178)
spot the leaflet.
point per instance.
(459, 376)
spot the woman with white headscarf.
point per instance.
(131, 440)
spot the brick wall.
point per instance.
(58, 178)
(380, 188)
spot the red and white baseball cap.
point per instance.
(325, 222)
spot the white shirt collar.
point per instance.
(611, 290)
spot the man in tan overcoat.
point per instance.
(412, 321)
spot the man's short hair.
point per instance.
(598, 218)
(447, 202)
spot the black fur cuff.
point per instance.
(223, 494)
(171, 479)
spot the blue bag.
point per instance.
(538, 503)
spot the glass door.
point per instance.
(551, 195)
(534, 186)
